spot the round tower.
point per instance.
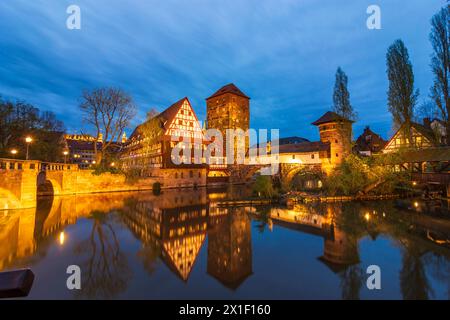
(336, 131)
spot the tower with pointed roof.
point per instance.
(337, 132)
(228, 108)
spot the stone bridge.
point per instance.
(21, 181)
(240, 173)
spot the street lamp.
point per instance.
(14, 153)
(65, 153)
(28, 140)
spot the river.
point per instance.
(183, 244)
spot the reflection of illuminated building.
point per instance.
(178, 231)
(340, 250)
(230, 248)
(16, 236)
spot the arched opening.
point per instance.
(8, 200)
(47, 187)
(303, 179)
(44, 186)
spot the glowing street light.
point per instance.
(28, 140)
(14, 152)
(65, 153)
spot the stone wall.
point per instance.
(85, 182)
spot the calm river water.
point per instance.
(184, 244)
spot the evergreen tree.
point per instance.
(402, 96)
(341, 96)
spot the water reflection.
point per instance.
(112, 236)
(229, 246)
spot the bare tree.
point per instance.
(152, 128)
(109, 111)
(440, 65)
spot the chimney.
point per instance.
(427, 122)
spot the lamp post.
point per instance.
(65, 153)
(14, 153)
(28, 140)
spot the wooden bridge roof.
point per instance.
(437, 154)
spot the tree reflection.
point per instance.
(440, 268)
(149, 254)
(351, 282)
(105, 273)
(413, 280)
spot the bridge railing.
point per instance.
(48, 166)
(441, 178)
(34, 165)
(19, 165)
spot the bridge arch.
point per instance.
(309, 177)
(47, 186)
(8, 200)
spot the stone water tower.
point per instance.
(336, 131)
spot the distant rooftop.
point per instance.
(292, 140)
(229, 88)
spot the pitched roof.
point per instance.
(304, 147)
(229, 88)
(330, 116)
(171, 112)
(165, 116)
(292, 140)
(375, 144)
(423, 155)
(427, 132)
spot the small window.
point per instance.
(176, 175)
(293, 156)
(337, 155)
(336, 141)
(312, 156)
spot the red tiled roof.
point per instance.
(229, 88)
(329, 116)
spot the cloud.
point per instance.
(281, 53)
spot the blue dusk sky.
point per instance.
(281, 53)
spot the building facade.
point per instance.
(150, 149)
(369, 143)
(229, 108)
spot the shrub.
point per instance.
(263, 187)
